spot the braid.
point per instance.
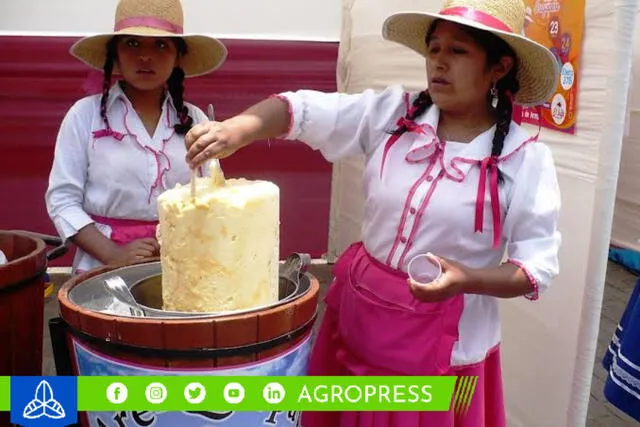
(176, 89)
(106, 83)
(506, 87)
(419, 106)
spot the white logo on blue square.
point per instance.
(44, 401)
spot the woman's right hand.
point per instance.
(135, 251)
(264, 120)
(212, 140)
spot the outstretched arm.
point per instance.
(336, 124)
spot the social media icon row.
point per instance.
(156, 393)
(195, 393)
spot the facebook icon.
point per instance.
(44, 401)
(117, 393)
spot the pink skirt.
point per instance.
(334, 353)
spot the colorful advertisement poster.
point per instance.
(558, 25)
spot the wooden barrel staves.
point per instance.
(22, 302)
(99, 343)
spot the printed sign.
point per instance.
(91, 363)
(558, 25)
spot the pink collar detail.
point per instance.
(431, 149)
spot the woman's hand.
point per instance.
(452, 281)
(135, 251)
(264, 120)
(212, 140)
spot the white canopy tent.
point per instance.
(549, 345)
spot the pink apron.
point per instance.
(125, 231)
(374, 326)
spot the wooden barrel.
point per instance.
(22, 302)
(203, 345)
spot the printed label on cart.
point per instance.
(91, 363)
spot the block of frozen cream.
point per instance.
(219, 250)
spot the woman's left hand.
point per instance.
(451, 282)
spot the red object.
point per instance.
(477, 16)
(361, 336)
(21, 304)
(40, 80)
(148, 21)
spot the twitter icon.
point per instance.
(195, 393)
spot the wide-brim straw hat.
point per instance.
(538, 69)
(154, 18)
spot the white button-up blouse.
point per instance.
(426, 195)
(116, 174)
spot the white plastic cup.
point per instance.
(424, 269)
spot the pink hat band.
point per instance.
(476, 16)
(150, 22)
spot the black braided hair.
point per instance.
(421, 104)
(106, 82)
(176, 89)
(506, 88)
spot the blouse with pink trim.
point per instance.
(424, 194)
(114, 173)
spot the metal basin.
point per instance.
(145, 283)
(148, 294)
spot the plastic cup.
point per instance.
(424, 269)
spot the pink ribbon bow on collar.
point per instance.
(410, 125)
(489, 165)
(103, 133)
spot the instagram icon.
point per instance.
(156, 393)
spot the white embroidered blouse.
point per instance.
(117, 175)
(426, 198)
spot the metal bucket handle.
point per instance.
(58, 251)
(295, 265)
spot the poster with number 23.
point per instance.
(558, 25)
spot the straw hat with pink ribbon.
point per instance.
(538, 69)
(154, 18)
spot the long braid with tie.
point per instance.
(506, 88)
(175, 85)
(421, 104)
(106, 82)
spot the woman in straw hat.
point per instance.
(117, 151)
(449, 174)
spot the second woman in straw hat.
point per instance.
(449, 178)
(116, 152)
